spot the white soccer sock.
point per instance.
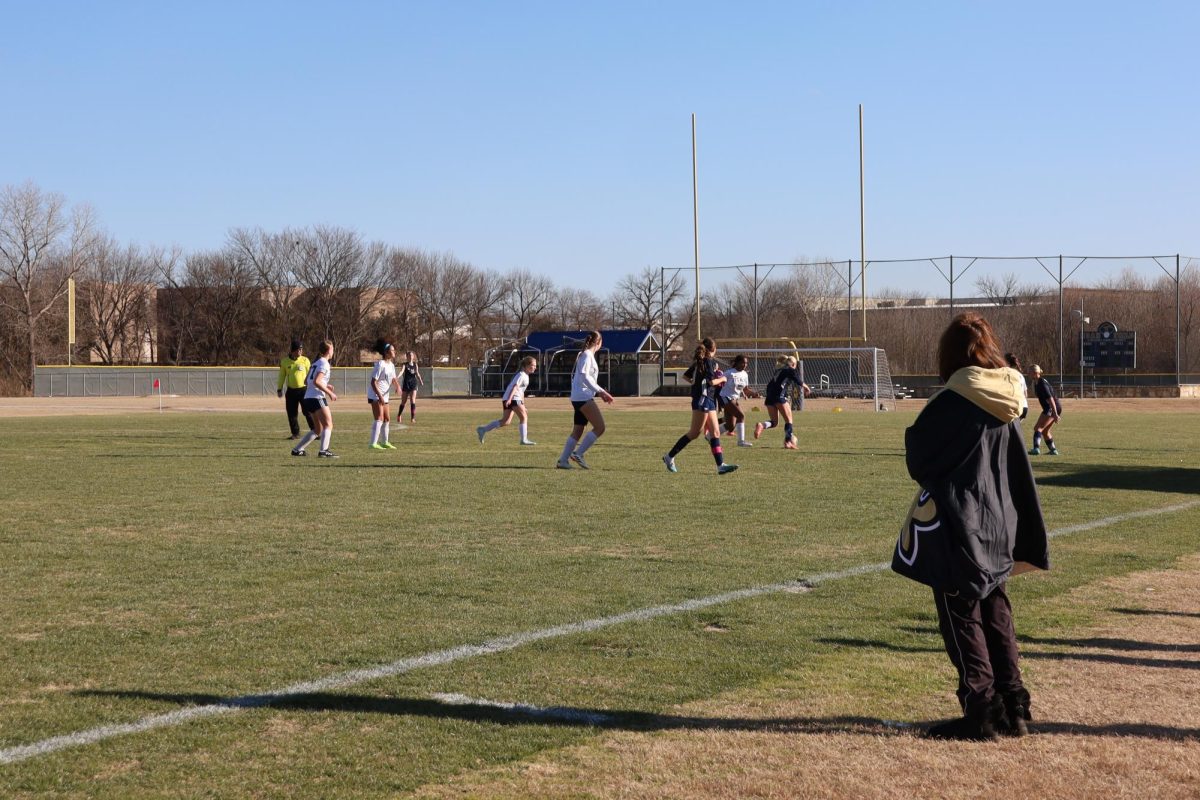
(524, 429)
(491, 426)
(387, 428)
(589, 439)
(767, 424)
(376, 426)
(325, 436)
(568, 449)
(308, 437)
(741, 431)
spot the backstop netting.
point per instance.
(860, 373)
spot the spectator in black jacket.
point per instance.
(975, 522)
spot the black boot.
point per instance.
(1016, 713)
(978, 725)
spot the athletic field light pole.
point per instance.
(1078, 312)
(862, 223)
(696, 226)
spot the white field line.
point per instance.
(499, 645)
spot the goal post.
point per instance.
(855, 373)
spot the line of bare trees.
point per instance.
(242, 302)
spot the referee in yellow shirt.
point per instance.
(293, 370)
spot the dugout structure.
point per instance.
(628, 362)
(855, 373)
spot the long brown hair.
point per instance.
(704, 350)
(969, 341)
(591, 340)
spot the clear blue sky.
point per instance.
(555, 136)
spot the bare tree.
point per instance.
(343, 278)
(642, 300)
(274, 259)
(1002, 290)
(580, 309)
(42, 246)
(211, 309)
(117, 291)
(527, 299)
(484, 290)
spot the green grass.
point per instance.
(154, 561)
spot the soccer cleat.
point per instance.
(528, 443)
(1035, 452)
(299, 453)
(388, 446)
(789, 444)
(744, 443)
(578, 459)
(481, 432)
(758, 429)
(1053, 450)
(376, 446)
(327, 454)
(294, 436)
(562, 464)
(670, 462)
(725, 469)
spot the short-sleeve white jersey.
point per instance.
(381, 380)
(516, 387)
(583, 382)
(321, 365)
(736, 382)
(1024, 393)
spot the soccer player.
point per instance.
(317, 397)
(706, 380)
(513, 403)
(737, 385)
(408, 387)
(584, 391)
(383, 378)
(779, 403)
(1051, 411)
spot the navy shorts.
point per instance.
(704, 403)
(312, 405)
(776, 400)
(578, 405)
(408, 387)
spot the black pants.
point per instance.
(982, 645)
(291, 401)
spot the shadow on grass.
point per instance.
(1147, 612)
(1173, 480)
(1113, 644)
(607, 719)
(444, 466)
(1102, 658)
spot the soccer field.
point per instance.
(159, 563)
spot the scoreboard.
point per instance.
(1109, 348)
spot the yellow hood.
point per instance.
(996, 391)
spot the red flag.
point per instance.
(156, 383)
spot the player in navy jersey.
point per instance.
(777, 399)
(1051, 411)
(706, 380)
(408, 386)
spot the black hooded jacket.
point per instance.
(977, 515)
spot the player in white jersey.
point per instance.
(584, 391)
(737, 385)
(513, 402)
(318, 394)
(379, 391)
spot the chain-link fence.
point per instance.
(96, 381)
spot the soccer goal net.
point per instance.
(834, 372)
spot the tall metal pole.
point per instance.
(696, 225)
(1061, 355)
(1082, 319)
(662, 326)
(862, 221)
(754, 377)
(1178, 380)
